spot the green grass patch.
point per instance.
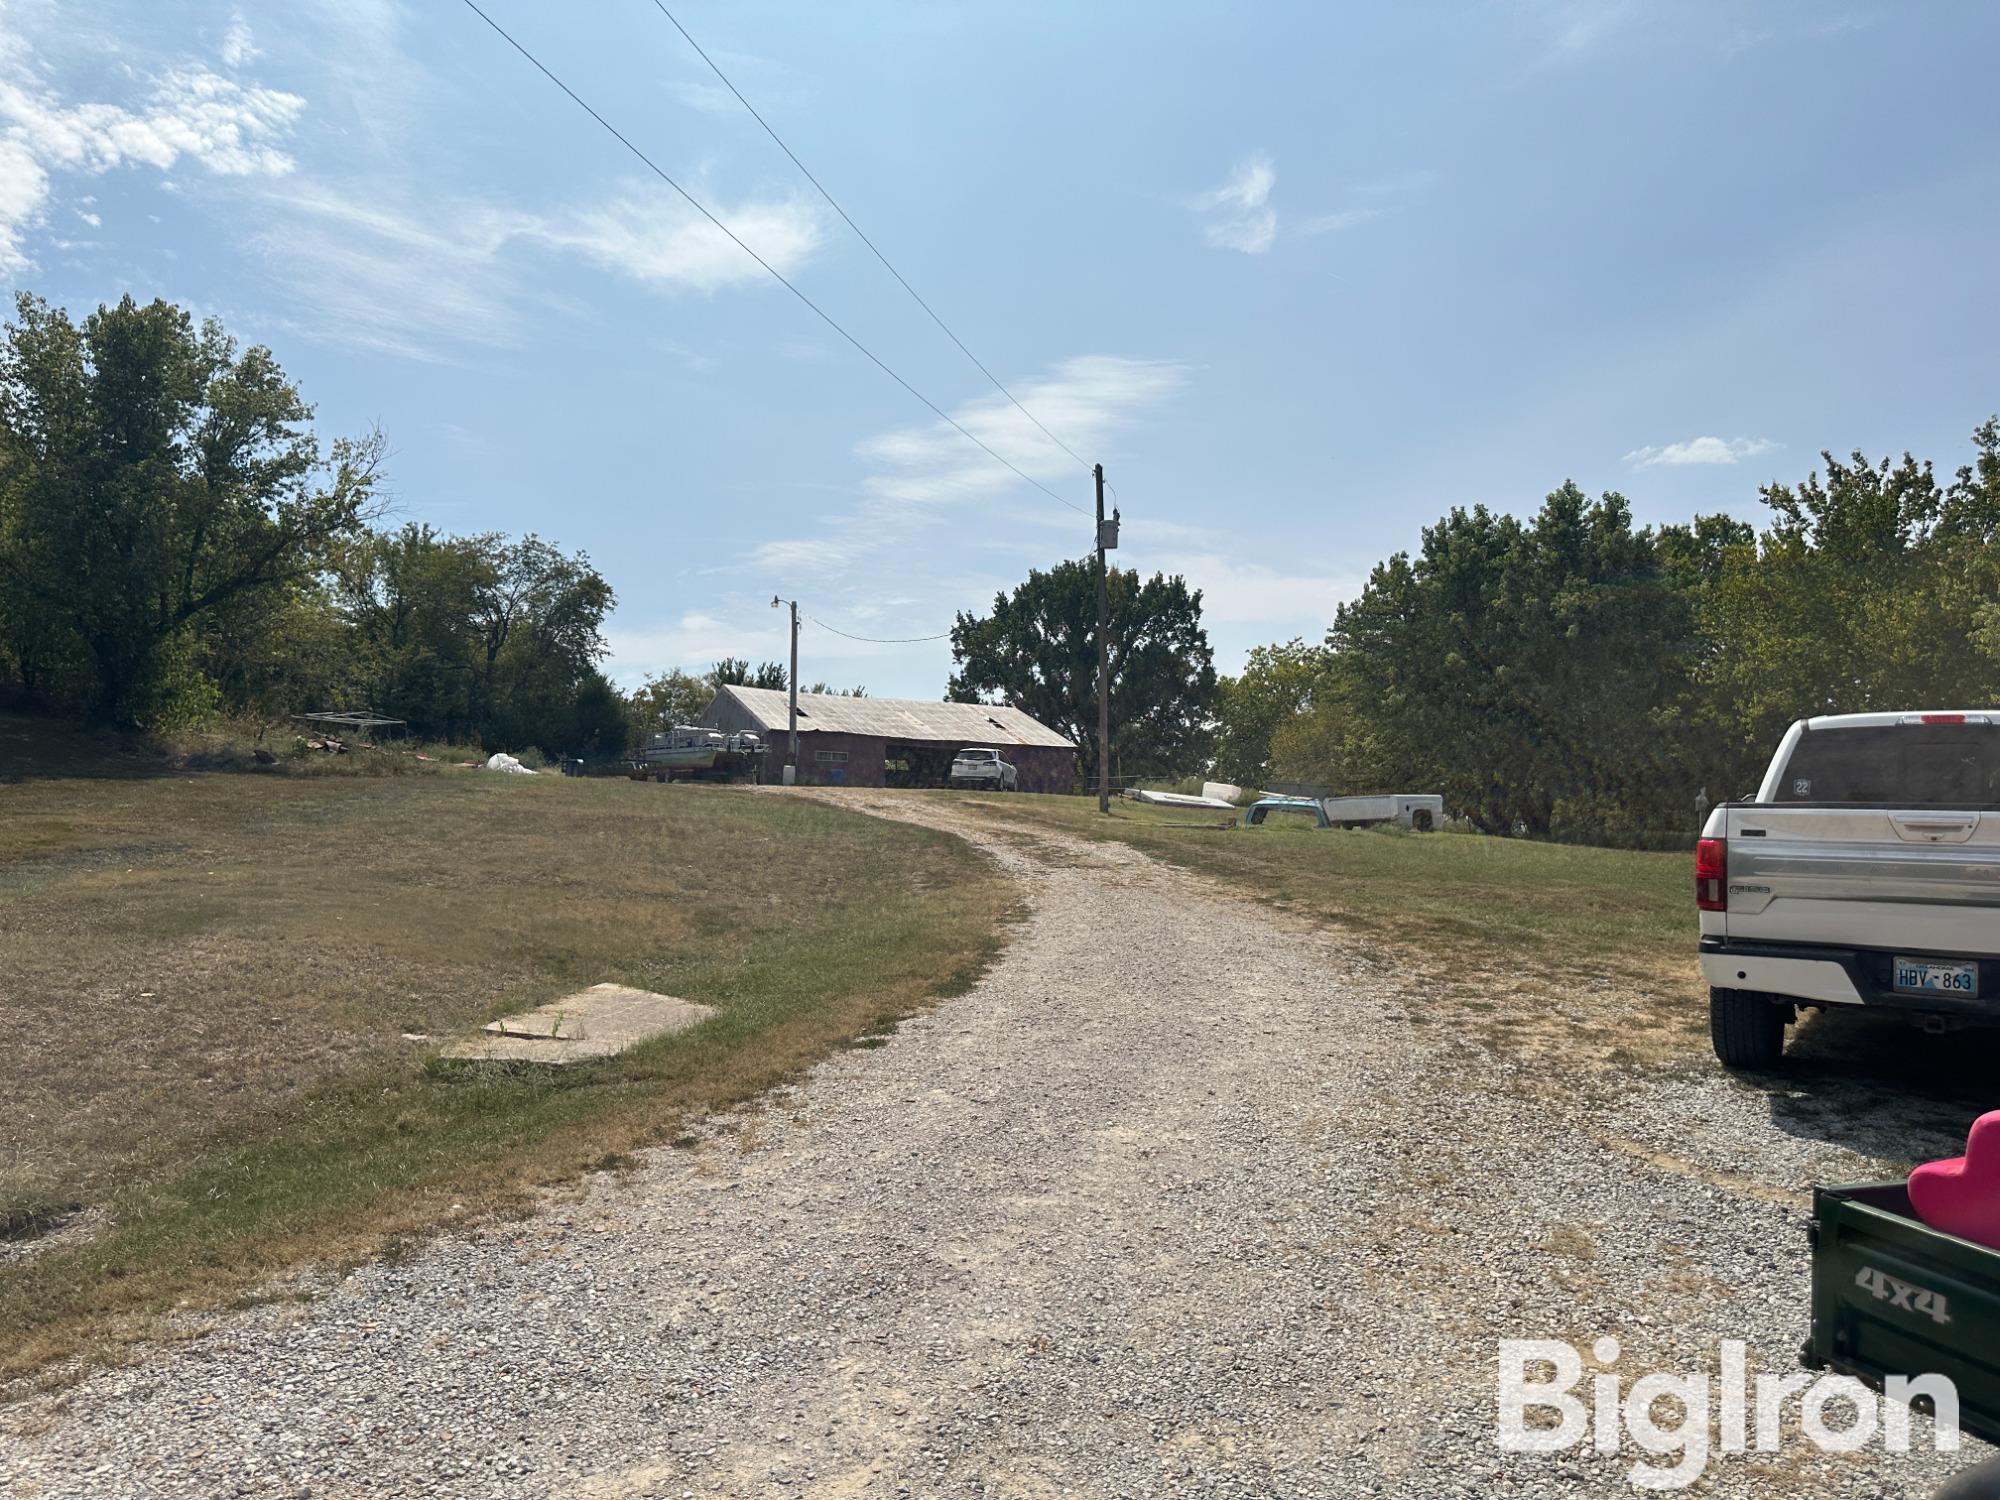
(1551, 900)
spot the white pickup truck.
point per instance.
(1866, 872)
(978, 765)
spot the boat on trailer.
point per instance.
(696, 752)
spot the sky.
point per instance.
(1302, 277)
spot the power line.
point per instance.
(907, 640)
(660, 5)
(776, 274)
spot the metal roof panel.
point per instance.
(898, 718)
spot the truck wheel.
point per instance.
(1746, 1028)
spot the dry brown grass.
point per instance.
(208, 979)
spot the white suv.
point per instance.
(979, 766)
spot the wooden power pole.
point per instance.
(1103, 658)
(793, 681)
(792, 690)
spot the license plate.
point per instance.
(1921, 977)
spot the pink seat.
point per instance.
(1962, 1196)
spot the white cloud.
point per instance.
(368, 270)
(24, 188)
(920, 476)
(374, 269)
(1236, 592)
(1579, 27)
(738, 625)
(656, 237)
(708, 98)
(1345, 218)
(1700, 450)
(191, 113)
(238, 46)
(1083, 400)
(1240, 212)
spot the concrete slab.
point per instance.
(598, 1022)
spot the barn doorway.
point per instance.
(910, 765)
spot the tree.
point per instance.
(1520, 670)
(288, 649)
(1868, 591)
(152, 475)
(410, 596)
(1038, 651)
(672, 697)
(600, 725)
(1278, 685)
(537, 616)
(833, 692)
(481, 636)
(734, 671)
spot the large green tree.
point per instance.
(483, 637)
(1038, 651)
(1517, 668)
(153, 475)
(538, 614)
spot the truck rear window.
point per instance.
(1896, 765)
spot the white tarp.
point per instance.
(502, 761)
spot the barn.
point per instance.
(893, 741)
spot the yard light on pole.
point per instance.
(792, 685)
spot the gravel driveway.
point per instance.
(1179, 1200)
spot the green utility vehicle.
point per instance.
(1892, 1296)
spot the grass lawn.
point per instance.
(209, 978)
(1493, 927)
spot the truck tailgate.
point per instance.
(1864, 877)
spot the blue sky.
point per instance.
(1301, 276)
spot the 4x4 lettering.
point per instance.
(1911, 1299)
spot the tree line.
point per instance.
(177, 545)
(1575, 676)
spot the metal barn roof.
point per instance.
(897, 718)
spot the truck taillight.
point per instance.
(1711, 875)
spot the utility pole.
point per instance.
(1103, 657)
(792, 686)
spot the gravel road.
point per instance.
(1180, 1200)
